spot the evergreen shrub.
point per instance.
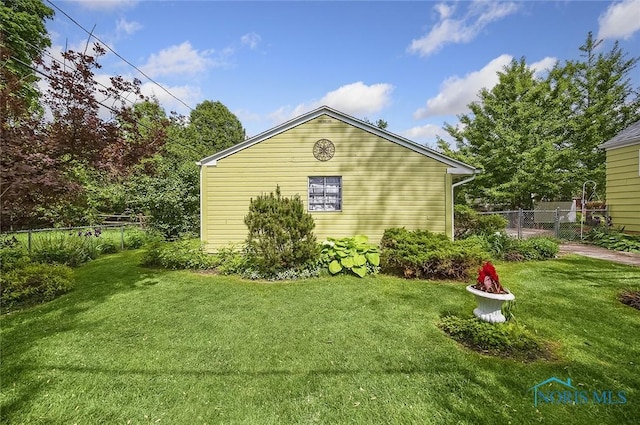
(280, 234)
(428, 255)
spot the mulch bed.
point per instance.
(631, 298)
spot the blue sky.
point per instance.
(415, 64)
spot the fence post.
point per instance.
(557, 223)
(122, 238)
(520, 217)
(29, 240)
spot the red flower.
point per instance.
(488, 280)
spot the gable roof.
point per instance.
(455, 167)
(627, 137)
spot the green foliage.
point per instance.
(63, 248)
(12, 254)
(178, 255)
(468, 222)
(614, 239)
(350, 255)
(531, 249)
(498, 339)
(538, 138)
(280, 234)
(33, 283)
(427, 255)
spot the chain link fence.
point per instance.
(559, 223)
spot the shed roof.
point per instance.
(628, 136)
(455, 167)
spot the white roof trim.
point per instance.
(455, 166)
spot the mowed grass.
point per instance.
(135, 345)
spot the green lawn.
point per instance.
(134, 345)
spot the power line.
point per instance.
(115, 111)
(118, 55)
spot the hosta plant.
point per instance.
(351, 255)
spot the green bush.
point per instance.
(468, 223)
(423, 254)
(69, 249)
(499, 339)
(12, 254)
(182, 254)
(536, 249)
(135, 238)
(280, 234)
(350, 255)
(33, 283)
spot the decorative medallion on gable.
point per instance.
(324, 150)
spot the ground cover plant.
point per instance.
(510, 339)
(614, 239)
(137, 345)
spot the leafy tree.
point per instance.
(23, 39)
(538, 139)
(597, 100)
(46, 164)
(212, 128)
(380, 123)
(509, 134)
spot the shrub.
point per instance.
(34, 283)
(135, 238)
(468, 222)
(69, 249)
(538, 248)
(12, 254)
(350, 255)
(182, 254)
(280, 234)
(499, 339)
(423, 254)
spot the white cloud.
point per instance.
(456, 93)
(543, 66)
(183, 59)
(251, 39)
(620, 20)
(424, 133)
(127, 27)
(188, 94)
(463, 29)
(356, 99)
(106, 4)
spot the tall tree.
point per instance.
(45, 164)
(212, 128)
(23, 39)
(510, 136)
(598, 101)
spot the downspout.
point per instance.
(453, 186)
(200, 170)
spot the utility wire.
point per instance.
(115, 111)
(118, 55)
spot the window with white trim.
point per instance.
(325, 193)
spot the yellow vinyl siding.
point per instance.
(623, 186)
(383, 184)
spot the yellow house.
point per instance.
(353, 177)
(623, 177)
